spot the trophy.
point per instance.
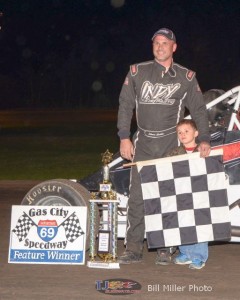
(103, 254)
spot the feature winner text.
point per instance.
(47, 255)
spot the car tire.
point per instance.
(59, 192)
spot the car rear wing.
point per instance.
(232, 99)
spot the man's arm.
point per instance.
(125, 113)
(198, 113)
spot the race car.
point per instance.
(224, 123)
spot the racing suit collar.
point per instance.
(171, 71)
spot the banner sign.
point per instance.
(48, 234)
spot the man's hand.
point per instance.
(204, 149)
(126, 149)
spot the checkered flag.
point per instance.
(185, 200)
(72, 227)
(24, 224)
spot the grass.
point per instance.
(42, 153)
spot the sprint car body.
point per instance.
(224, 123)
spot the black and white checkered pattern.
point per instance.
(24, 224)
(185, 200)
(72, 227)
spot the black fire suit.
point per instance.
(159, 98)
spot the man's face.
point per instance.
(163, 49)
(186, 134)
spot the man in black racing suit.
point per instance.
(159, 90)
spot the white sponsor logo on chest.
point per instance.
(158, 93)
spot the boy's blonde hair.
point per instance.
(187, 122)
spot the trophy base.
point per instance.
(103, 265)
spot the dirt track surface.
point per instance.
(218, 280)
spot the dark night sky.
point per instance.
(76, 53)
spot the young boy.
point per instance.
(196, 254)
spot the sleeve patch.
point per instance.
(126, 81)
(133, 69)
(190, 75)
(198, 88)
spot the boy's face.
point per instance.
(187, 134)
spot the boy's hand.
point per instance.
(204, 149)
